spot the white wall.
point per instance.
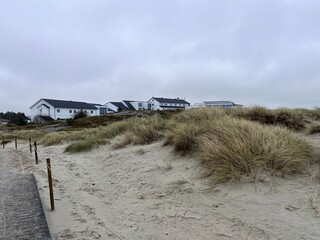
(65, 113)
(110, 106)
(155, 105)
(144, 105)
(57, 113)
(38, 106)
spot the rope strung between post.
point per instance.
(62, 182)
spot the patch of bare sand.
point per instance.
(146, 192)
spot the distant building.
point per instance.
(125, 105)
(112, 107)
(135, 105)
(223, 104)
(160, 103)
(61, 109)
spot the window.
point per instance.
(58, 110)
(91, 111)
(70, 111)
(74, 111)
(140, 105)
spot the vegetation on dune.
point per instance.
(143, 131)
(290, 118)
(84, 145)
(315, 128)
(34, 134)
(232, 144)
(232, 148)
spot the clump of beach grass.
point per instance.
(238, 148)
(232, 148)
(84, 145)
(290, 118)
(143, 130)
(315, 128)
(185, 137)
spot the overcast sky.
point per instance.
(264, 52)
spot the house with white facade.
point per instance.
(160, 103)
(135, 105)
(61, 109)
(112, 107)
(125, 105)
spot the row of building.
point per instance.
(62, 109)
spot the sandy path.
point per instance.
(21, 213)
(146, 192)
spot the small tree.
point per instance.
(80, 114)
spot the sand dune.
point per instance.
(147, 192)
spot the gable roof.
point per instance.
(68, 104)
(119, 105)
(170, 100)
(129, 105)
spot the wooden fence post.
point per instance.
(30, 145)
(15, 142)
(36, 152)
(50, 184)
(3, 142)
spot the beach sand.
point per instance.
(148, 192)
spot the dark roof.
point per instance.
(119, 105)
(171, 100)
(129, 105)
(69, 104)
(95, 104)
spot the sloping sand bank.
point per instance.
(147, 192)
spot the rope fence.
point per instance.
(48, 168)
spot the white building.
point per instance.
(112, 107)
(135, 105)
(223, 104)
(156, 103)
(125, 105)
(61, 109)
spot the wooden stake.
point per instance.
(15, 142)
(3, 142)
(50, 184)
(36, 152)
(30, 145)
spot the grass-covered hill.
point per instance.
(231, 144)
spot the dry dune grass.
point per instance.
(290, 118)
(85, 139)
(229, 145)
(232, 148)
(143, 131)
(24, 134)
(315, 128)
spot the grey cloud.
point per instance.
(252, 52)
